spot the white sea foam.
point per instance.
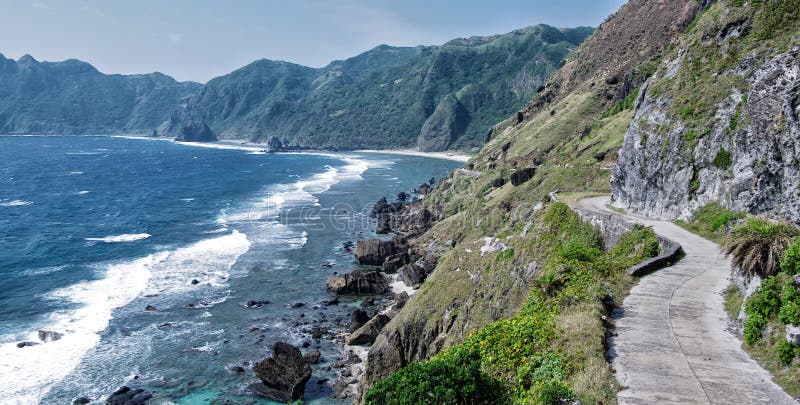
(75, 172)
(83, 192)
(15, 203)
(27, 374)
(31, 371)
(128, 237)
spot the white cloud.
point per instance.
(175, 37)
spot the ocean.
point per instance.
(144, 253)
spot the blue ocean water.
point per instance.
(97, 229)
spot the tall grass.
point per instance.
(756, 246)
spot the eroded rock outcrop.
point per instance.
(358, 282)
(283, 376)
(373, 252)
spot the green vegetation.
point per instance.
(756, 247)
(551, 350)
(711, 221)
(723, 159)
(733, 301)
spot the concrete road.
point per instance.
(672, 344)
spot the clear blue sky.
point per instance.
(201, 39)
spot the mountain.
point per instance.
(72, 97)
(430, 97)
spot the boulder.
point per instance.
(522, 175)
(27, 344)
(424, 189)
(498, 182)
(127, 396)
(793, 334)
(400, 300)
(373, 251)
(274, 144)
(312, 357)
(81, 401)
(357, 282)
(394, 262)
(49, 335)
(411, 274)
(367, 333)
(196, 131)
(384, 224)
(283, 376)
(357, 319)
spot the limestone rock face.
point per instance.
(757, 132)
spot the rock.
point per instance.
(796, 280)
(520, 117)
(424, 189)
(367, 333)
(373, 252)
(402, 196)
(49, 335)
(297, 305)
(358, 282)
(127, 396)
(432, 181)
(283, 376)
(256, 303)
(522, 175)
(394, 262)
(237, 369)
(195, 281)
(81, 401)
(27, 344)
(347, 247)
(793, 334)
(349, 359)
(498, 182)
(488, 136)
(357, 319)
(274, 144)
(196, 131)
(400, 300)
(411, 274)
(312, 357)
(384, 224)
(149, 308)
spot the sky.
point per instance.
(201, 39)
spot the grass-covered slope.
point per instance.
(431, 97)
(550, 345)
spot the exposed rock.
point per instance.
(149, 308)
(384, 224)
(49, 335)
(357, 319)
(127, 396)
(793, 334)
(367, 333)
(27, 343)
(196, 131)
(414, 274)
(522, 175)
(393, 263)
(424, 189)
(256, 303)
(400, 300)
(358, 282)
(283, 376)
(312, 357)
(373, 252)
(81, 401)
(237, 369)
(274, 144)
(498, 182)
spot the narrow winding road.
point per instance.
(672, 344)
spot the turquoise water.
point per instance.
(96, 229)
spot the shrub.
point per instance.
(454, 378)
(753, 327)
(723, 159)
(757, 246)
(791, 259)
(787, 351)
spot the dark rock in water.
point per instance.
(256, 303)
(237, 369)
(312, 357)
(154, 134)
(402, 196)
(274, 144)
(27, 343)
(81, 401)
(498, 182)
(357, 319)
(522, 175)
(196, 131)
(358, 282)
(383, 206)
(164, 325)
(373, 252)
(384, 224)
(414, 274)
(149, 308)
(368, 302)
(332, 302)
(317, 332)
(284, 375)
(49, 335)
(367, 333)
(348, 246)
(349, 359)
(432, 181)
(127, 396)
(194, 282)
(394, 262)
(297, 305)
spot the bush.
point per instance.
(787, 351)
(791, 259)
(723, 159)
(753, 327)
(758, 245)
(454, 378)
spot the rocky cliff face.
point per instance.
(433, 97)
(72, 97)
(719, 120)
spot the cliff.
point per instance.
(718, 122)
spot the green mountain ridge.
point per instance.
(429, 97)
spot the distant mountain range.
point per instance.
(430, 97)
